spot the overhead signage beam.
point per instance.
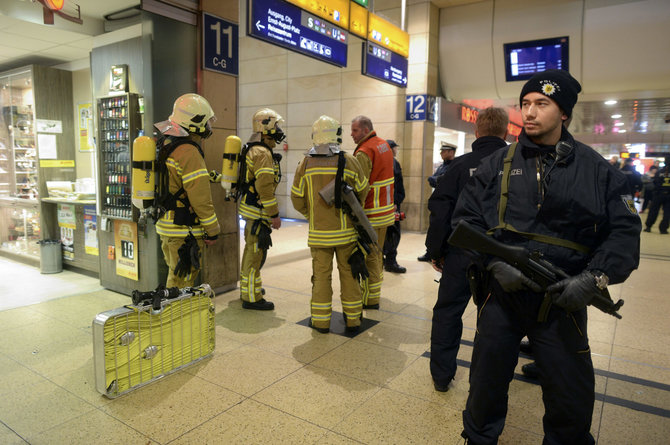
(286, 25)
(358, 20)
(384, 65)
(388, 35)
(335, 11)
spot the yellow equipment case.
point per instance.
(161, 332)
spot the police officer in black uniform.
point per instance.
(552, 194)
(661, 199)
(454, 292)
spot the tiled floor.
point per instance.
(271, 380)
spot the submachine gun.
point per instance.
(532, 264)
(352, 207)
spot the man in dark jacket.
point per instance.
(454, 292)
(633, 176)
(393, 232)
(554, 195)
(661, 200)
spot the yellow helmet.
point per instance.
(326, 130)
(266, 121)
(191, 113)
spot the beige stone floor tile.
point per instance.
(392, 417)
(80, 310)
(14, 375)
(317, 395)
(372, 363)
(251, 422)
(9, 437)
(406, 318)
(525, 408)
(634, 337)
(32, 410)
(602, 331)
(300, 342)
(623, 426)
(23, 316)
(387, 309)
(80, 381)
(38, 338)
(512, 435)
(245, 370)
(639, 393)
(244, 325)
(92, 427)
(163, 410)
(397, 337)
(332, 438)
(416, 381)
(58, 357)
(640, 311)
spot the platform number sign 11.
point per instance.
(220, 45)
(420, 107)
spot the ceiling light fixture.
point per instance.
(619, 124)
(610, 102)
(616, 116)
(622, 131)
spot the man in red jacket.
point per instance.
(376, 159)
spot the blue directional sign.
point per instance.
(219, 45)
(420, 107)
(383, 64)
(286, 25)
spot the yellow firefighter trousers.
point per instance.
(372, 286)
(322, 291)
(250, 273)
(170, 246)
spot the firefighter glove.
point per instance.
(261, 228)
(189, 256)
(357, 262)
(574, 293)
(215, 176)
(510, 278)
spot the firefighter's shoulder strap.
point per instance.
(339, 177)
(502, 208)
(243, 186)
(164, 197)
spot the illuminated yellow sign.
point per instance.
(335, 11)
(388, 35)
(56, 163)
(358, 20)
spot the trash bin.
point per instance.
(51, 256)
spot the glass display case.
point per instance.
(20, 230)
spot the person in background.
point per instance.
(393, 231)
(559, 197)
(258, 204)
(648, 187)
(331, 232)
(447, 152)
(189, 222)
(454, 291)
(376, 159)
(661, 199)
(633, 176)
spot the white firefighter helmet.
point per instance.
(326, 130)
(266, 121)
(191, 114)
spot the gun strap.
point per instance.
(338, 180)
(502, 208)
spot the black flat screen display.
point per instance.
(523, 59)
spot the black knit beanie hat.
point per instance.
(557, 85)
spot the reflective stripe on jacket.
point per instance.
(374, 153)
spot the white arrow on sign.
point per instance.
(259, 26)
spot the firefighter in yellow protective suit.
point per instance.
(330, 230)
(258, 204)
(189, 222)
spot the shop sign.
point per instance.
(90, 231)
(125, 243)
(388, 35)
(358, 20)
(286, 25)
(220, 45)
(48, 126)
(420, 107)
(67, 223)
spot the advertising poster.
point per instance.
(125, 242)
(85, 127)
(90, 231)
(67, 224)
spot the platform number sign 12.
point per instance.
(420, 107)
(220, 45)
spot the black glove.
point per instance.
(189, 256)
(510, 278)
(574, 293)
(357, 262)
(261, 228)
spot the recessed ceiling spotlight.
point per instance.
(615, 116)
(619, 124)
(622, 131)
(610, 102)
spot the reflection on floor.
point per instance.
(272, 380)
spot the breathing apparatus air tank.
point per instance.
(144, 178)
(229, 169)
